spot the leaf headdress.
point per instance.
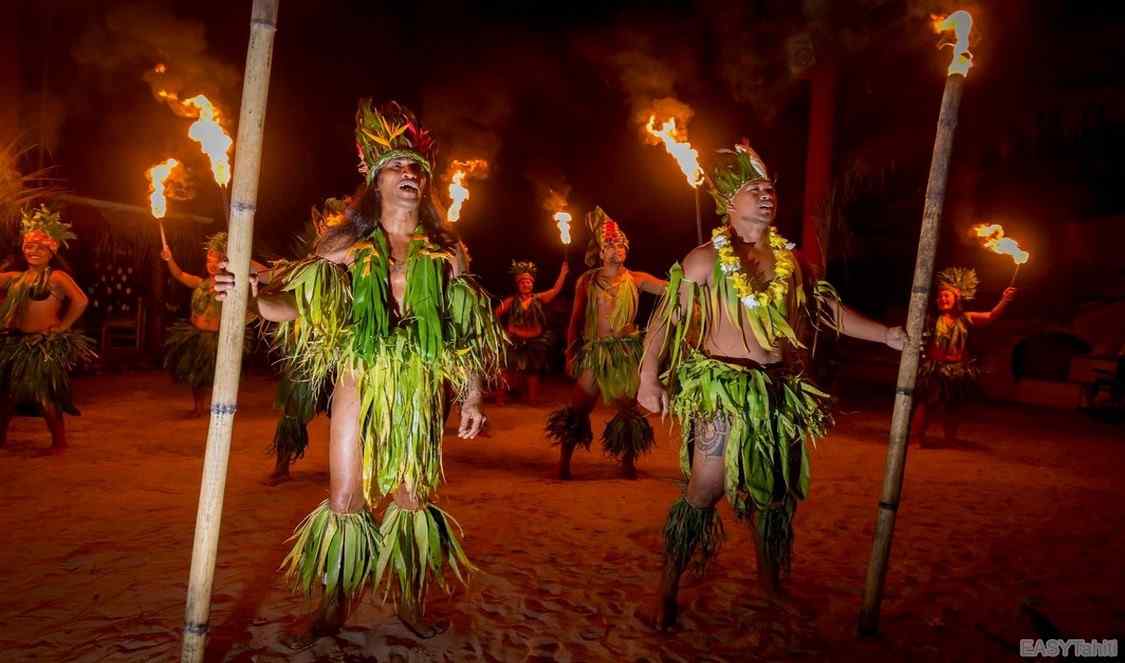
(523, 267)
(390, 132)
(735, 169)
(962, 280)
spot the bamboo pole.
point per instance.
(244, 196)
(111, 206)
(908, 365)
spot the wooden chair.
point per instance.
(123, 339)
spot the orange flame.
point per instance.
(995, 241)
(159, 68)
(961, 23)
(458, 192)
(156, 177)
(684, 154)
(562, 220)
(214, 142)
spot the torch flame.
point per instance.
(156, 177)
(214, 142)
(684, 154)
(562, 220)
(995, 241)
(961, 23)
(458, 192)
(159, 68)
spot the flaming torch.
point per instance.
(562, 220)
(686, 157)
(158, 202)
(995, 241)
(213, 141)
(960, 23)
(458, 192)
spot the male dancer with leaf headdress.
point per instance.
(385, 306)
(948, 374)
(38, 348)
(723, 353)
(603, 350)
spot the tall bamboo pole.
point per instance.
(244, 197)
(908, 365)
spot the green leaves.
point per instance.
(613, 361)
(35, 368)
(336, 549)
(772, 414)
(416, 547)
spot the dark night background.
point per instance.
(548, 92)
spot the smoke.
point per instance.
(468, 131)
(476, 169)
(554, 195)
(647, 81)
(136, 39)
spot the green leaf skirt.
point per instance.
(530, 355)
(615, 363)
(189, 354)
(771, 413)
(35, 368)
(947, 382)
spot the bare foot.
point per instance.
(667, 611)
(416, 624)
(325, 623)
(667, 614)
(305, 635)
(276, 479)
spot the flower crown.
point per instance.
(45, 225)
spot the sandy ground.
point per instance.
(1027, 512)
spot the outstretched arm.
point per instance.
(858, 326)
(75, 298)
(504, 305)
(984, 318)
(190, 280)
(651, 284)
(549, 295)
(277, 307)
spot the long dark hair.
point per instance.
(363, 216)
